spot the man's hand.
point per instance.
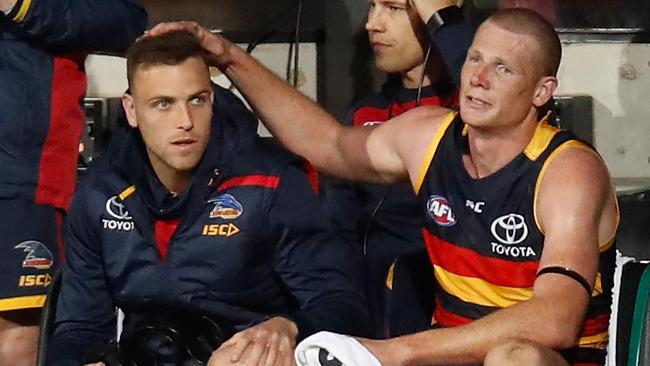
(426, 8)
(269, 343)
(217, 47)
(6, 5)
(96, 364)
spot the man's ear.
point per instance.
(544, 90)
(129, 108)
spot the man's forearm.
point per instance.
(294, 119)
(534, 320)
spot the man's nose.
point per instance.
(374, 22)
(481, 77)
(185, 120)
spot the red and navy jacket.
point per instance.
(246, 241)
(384, 220)
(43, 46)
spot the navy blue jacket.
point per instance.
(43, 46)
(252, 242)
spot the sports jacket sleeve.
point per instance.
(452, 41)
(85, 317)
(318, 269)
(342, 204)
(81, 25)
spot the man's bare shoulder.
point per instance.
(410, 134)
(576, 184)
(428, 115)
(578, 165)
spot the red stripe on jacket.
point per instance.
(57, 172)
(376, 114)
(267, 181)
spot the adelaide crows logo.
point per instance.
(226, 207)
(38, 256)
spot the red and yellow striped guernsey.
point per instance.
(483, 238)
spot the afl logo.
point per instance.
(510, 229)
(116, 209)
(440, 211)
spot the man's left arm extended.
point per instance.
(575, 216)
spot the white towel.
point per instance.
(344, 348)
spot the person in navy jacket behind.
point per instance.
(384, 220)
(43, 46)
(190, 212)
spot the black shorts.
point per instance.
(30, 248)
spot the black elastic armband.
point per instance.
(569, 273)
(449, 15)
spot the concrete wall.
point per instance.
(617, 76)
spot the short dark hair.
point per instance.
(528, 22)
(168, 49)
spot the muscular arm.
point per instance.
(80, 25)
(576, 215)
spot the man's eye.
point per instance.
(197, 101)
(503, 69)
(162, 103)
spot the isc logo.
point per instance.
(226, 230)
(440, 211)
(42, 280)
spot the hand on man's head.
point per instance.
(216, 47)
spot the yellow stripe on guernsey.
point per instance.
(389, 276)
(26, 302)
(541, 139)
(598, 341)
(433, 146)
(22, 12)
(480, 292)
(127, 192)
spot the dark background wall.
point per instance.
(344, 56)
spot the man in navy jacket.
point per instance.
(384, 220)
(189, 212)
(43, 45)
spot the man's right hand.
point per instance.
(270, 343)
(6, 5)
(217, 47)
(426, 8)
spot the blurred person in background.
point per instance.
(43, 45)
